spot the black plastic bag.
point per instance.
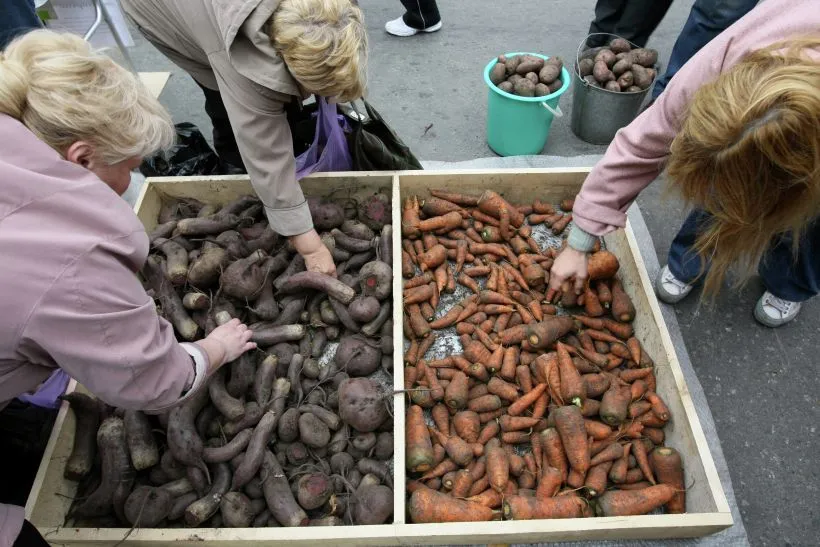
(191, 155)
(375, 147)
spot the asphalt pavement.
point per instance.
(761, 384)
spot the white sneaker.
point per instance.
(669, 288)
(772, 311)
(397, 27)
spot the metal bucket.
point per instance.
(597, 114)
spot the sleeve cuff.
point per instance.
(290, 221)
(201, 366)
(580, 240)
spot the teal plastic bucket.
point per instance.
(518, 126)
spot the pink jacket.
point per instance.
(70, 249)
(637, 154)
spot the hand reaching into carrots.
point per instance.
(570, 264)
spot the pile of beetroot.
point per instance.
(291, 434)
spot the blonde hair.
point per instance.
(64, 92)
(324, 44)
(749, 154)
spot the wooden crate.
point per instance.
(706, 501)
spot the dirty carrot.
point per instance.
(572, 386)
(419, 448)
(420, 294)
(526, 400)
(498, 466)
(476, 271)
(448, 319)
(618, 503)
(485, 403)
(597, 430)
(659, 408)
(639, 451)
(468, 282)
(417, 321)
(523, 377)
(561, 224)
(622, 308)
(441, 417)
(496, 359)
(539, 409)
(455, 395)
(554, 451)
(508, 363)
(633, 374)
(570, 426)
(638, 408)
(417, 281)
(604, 294)
(611, 453)
(489, 431)
(668, 468)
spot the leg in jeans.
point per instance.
(224, 140)
(16, 17)
(607, 15)
(793, 277)
(707, 19)
(640, 18)
(421, 14)
(683, 262)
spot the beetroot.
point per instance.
(362, 404)
(375, 211)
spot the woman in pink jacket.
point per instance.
(738, 133)
(73, 125)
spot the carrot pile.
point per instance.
(542, 415)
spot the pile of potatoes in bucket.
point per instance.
(617, 67)
(527, 75)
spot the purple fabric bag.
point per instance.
(49, 392)
(329, 151)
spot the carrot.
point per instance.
(407, 246)
(466, 424)
(438, 454)
(597, 430)
(638, 408)
(444, 223)
(596, 479)
(478, 371)
(570, 426)
(654, 434)
(519, 245)
(448, 319)
(634, 474)
(436, 391)
(485, 403)
(668, 468)
(619, 329)
(515, 275)
(517, 423)
(475, 351)
(410, 217)
(487, 497)
(604, 294)
(513, 335)
(639, 451)
(538, 218)
(492, 204)
(596, 384)
(473, 235)
(608, 454)
(659, 408)
(425, 344)
(572, 387)
(589, 322)
(457, 448)
(476, 271)
(419, 448)
(498, 466)
(631, 375)
(525, 507)
(417, 295)
(617, 473)
(618, 503)
(504, 222)
(455, 396)
(515, 437)
(545, 333)
(485, 340)
(561, 224)
(575, 479)
(539, 409)
(505, 390)
(468, 282)
(567, 204)
(441, 417)
(602, 265)
(524, 378)
(429, 506)
(489, 431)
(592, 306)
(508, 363)
(418, 281)
(596, 359)
(491, 297)
(477, 318)
(554, 453)
(622, 308)
(542, 208)
(463, 200)
(526, 400)
(615, 404)
(461, 484)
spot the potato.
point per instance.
(645, 57)
(585, 67)
(515, 78)
(512, 64)
(498, 73)
(502, 59)
(541, 90)
(556, 85)
(621, 66)
(602, 72)
(626, 79)
(590, 79)
(642, 76)
(612, 86)
(633, 89)
(532, 76)
(524, 88)
(606, 56)
(557, 61)
(624, 55)
(506, 87)
(529, 64)
(549, 73)
(619, 45)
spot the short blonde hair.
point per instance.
(65, 92)
(324, 44)
(748, 153)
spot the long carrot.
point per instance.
(597, 430)
(505, 390)
(468, 282)
(554, 451)
(622, 308)
(457, 448)
(639, 451)
(466, 424)
(525, 507)
(615, 404)
(464, 200)
(570, 426)
(668, 468)
(638, 408)
(604, 294)
(429, 506)
(455, 396)
(487, 497)
(610, 453)
(618, 503)
(513, 335)
(419, 449)
(476, 271)
(489, 431)
(486, 403)
(492, 203)
(419, 294)
(517, 423)
(572, 386)
(515, 437)
(542, 334)
(539, 409)
(508, 363)
(441, 417)
(596, 479)
(617, 473)
(488, 344)
(659, 408)
(498, 466)
(448, 319)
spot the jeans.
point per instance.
(421, 14)
(790, 277)
(16, 17)
(707, 19)
(634, 20)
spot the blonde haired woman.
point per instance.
(73, 124)
(252, 58)
(738, 130)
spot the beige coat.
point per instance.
(225, 45)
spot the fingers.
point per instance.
(579, 284)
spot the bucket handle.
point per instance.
(555, 111)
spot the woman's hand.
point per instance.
(568, 265)
(227, 342)
(317, 256)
